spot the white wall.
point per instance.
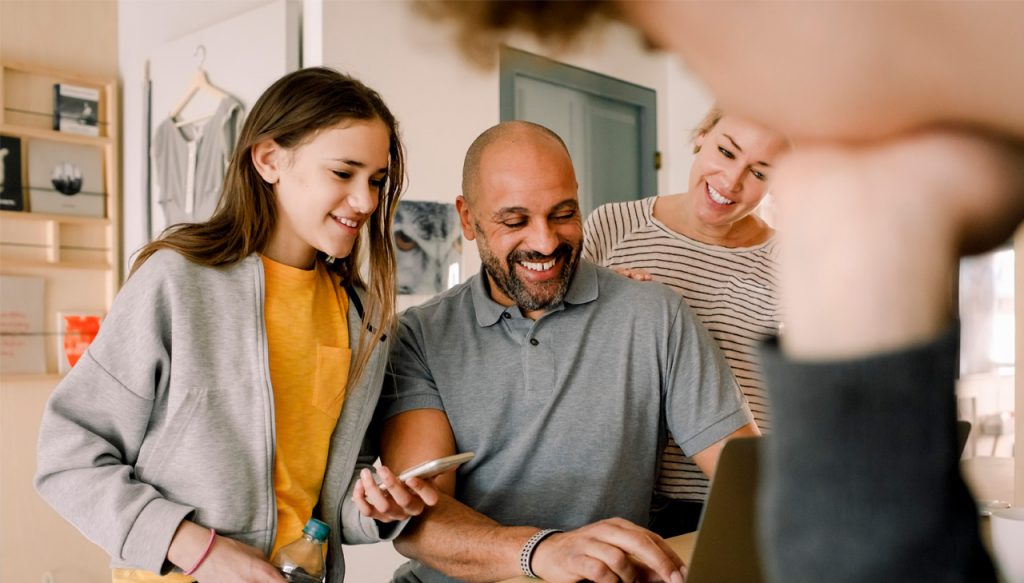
(144, 25)
(689, 102)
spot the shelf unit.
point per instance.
(79, 257)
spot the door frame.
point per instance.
(516, 63)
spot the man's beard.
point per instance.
(528, 296)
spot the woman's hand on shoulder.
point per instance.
(635, 274)
(395, 500)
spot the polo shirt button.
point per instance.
(534, 341)
(506, 315)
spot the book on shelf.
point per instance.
(76, 109)
(12, 189)
(75, 332)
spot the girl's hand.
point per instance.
(395, 501)
(227, 560)
(635, 274)
(234, 562)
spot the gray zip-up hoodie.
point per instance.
(170, 415)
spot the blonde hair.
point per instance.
(711, 119)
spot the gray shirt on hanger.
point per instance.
(189, 162)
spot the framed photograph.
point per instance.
(12, 191)
(76, 109)
(65, 179)
(75, 332)
(428, 244)
(21, 325)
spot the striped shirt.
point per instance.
(732, 291)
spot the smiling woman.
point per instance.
(707, 245)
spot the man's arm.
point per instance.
(451, 537)
(464, 544)
(707, 458)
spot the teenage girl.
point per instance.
(228, 395)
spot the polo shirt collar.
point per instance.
(582, 289)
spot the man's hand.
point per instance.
(608, 551)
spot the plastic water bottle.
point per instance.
(302, 560)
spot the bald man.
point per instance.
(563, 378)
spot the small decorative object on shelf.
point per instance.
(65, 179)
(21, 325)
(75, 332)
(12, 192)
(76, 109)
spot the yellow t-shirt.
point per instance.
(307, 333)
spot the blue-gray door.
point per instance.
(607, 124)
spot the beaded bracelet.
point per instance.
(206, 552)
(526, 555)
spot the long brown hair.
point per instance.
(290, 112)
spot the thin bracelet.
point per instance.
(526, 555)
(206, 553)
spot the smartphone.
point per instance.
(436, 467)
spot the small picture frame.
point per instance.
(65, 179)
(76, 109)
(21, 325)
(428, 247)
(75, 332)
(12, 190)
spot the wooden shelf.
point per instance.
(27, 264)
(38, 69)
(43, 134)
(29, 377)
(69, 219)
(78, 258)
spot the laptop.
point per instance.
(963, 431)
(726, 546)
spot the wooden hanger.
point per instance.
(200, 82)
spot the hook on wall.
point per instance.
(201, 53)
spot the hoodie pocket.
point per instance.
(331, 378)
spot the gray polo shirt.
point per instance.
(567, 414)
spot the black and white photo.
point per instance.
(12, 194)
(428, 245)
(76, 109)
(65, 179)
